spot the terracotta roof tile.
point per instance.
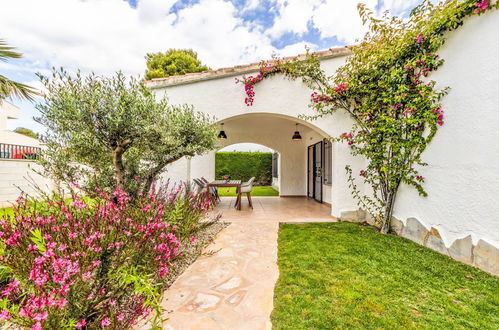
(234, 70)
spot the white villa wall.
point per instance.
(224, 99)
(19, 175)
(7, 111)
(10, 137)
(460, 217)
(463, 173)
(203, 166)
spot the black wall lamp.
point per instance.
(296, 136)
(221, 134)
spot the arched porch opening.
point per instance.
(296, 168)
(248, 160)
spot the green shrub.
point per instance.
(244, 165)
(94, 263)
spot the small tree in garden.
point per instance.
(27, 132)
(173, 62)
(385, 88)
(112, 131)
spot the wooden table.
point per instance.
(228, 183)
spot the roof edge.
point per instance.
(194, 77)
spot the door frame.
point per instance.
(313, 172)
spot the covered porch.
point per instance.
(274, 209)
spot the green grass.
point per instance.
(257, 191)
(6, 211)
(346, 276)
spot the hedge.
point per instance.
(244, 165)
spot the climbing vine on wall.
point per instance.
(385, 88)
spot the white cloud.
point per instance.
(152, 11)
(293, 16)
(105, 36)
(297, 49)
(341, 19)
(251, 4)
(400, 7)
(333, 18)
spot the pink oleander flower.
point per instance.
(40, 316)
(120, 317)
(163, 270)
(4, 315)
(62, 303)
(105, 322)
(86, 276)
(37, 326)
(193, 240)
(81, 324)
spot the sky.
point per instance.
(104, 36)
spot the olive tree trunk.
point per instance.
(119, 168)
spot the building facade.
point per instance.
(460, 217)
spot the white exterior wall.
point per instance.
(462, 178)
(10, 137)
(10, 111)
(278, 96)
(7, 111)
(17, 175)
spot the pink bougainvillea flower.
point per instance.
(419, 38)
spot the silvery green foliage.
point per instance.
(111, 132)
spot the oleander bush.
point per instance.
(94, 263)
(244, 165)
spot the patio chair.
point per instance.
(246, 188)
(200, 185)
(213, 190)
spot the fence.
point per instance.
(13, 151)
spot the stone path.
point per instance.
(233, 287)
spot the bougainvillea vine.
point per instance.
(386, 88)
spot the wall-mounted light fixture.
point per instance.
(222, 135)
(296, 135)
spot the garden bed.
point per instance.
(343, 275)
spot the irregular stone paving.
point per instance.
(233, 287)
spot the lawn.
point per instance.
(257, 191)
(6, 211)
(345, 276)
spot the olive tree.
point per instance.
(111, 132)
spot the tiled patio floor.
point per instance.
(232, 286)
(275, 209)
